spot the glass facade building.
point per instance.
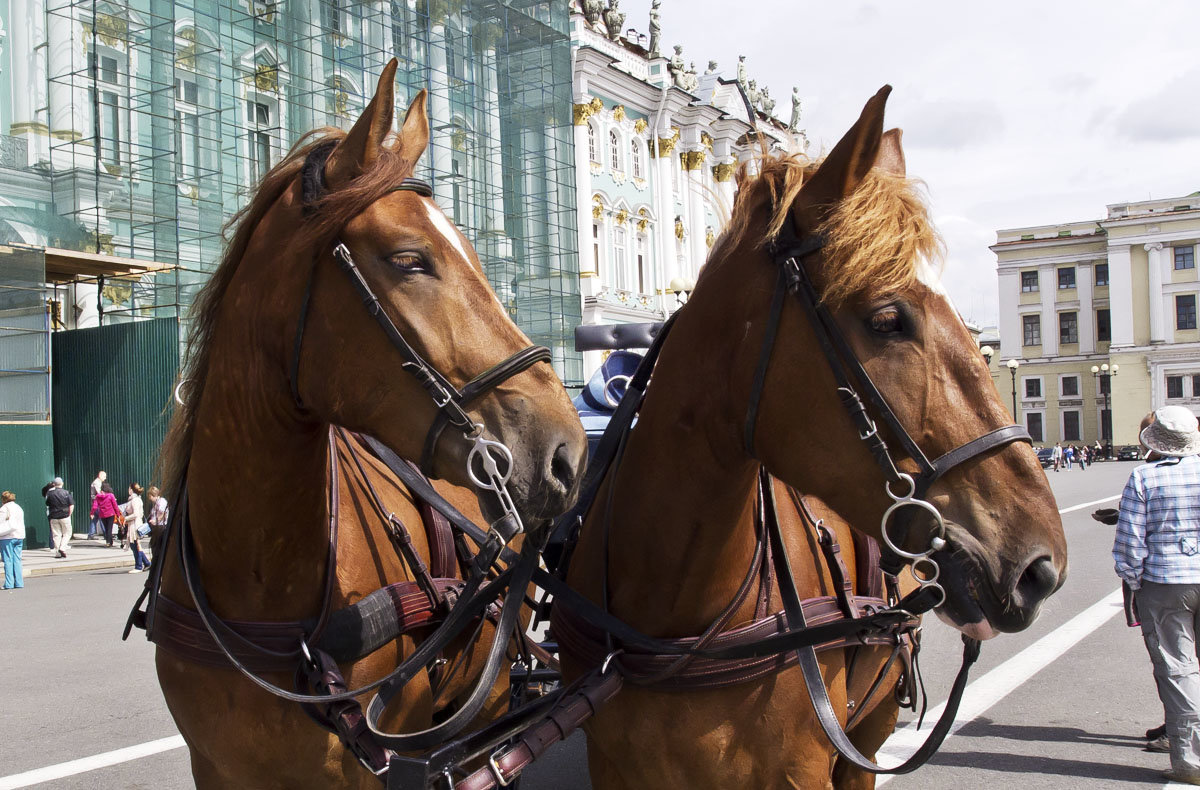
(136, 129)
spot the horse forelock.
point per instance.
(331, 212)
(879, 239)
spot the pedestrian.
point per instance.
(105, 507)
(1097, 450)
(1056, 455)
(1157, 553)
(1068, 456)
(12, 540)
(133, 510)
(1081, 456)
(94, 521)
(61, 506)
(158, 510)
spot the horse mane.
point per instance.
(329, 215)
(877, 238)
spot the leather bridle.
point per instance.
(489, 462)
(787, 252)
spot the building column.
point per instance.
(1010, 319)
(1120, 296)
(1087, 316)
(441, 152)
(697, 250)
(665, 207)
(1048, 274)
(1154, 275)
(494, 220)
(583, 196)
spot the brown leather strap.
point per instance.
(559, 722)
(866, 561)
(586, 644)
(443, 560)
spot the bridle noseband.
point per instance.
(788, 252)
(489, 462)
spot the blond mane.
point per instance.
(877, 238)
(330, 214)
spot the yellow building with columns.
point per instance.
(1076, 297)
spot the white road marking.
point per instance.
(979, 696)
(1088, 504)
(997, 684)
(84, 764)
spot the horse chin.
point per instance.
(981, 629)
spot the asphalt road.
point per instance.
(73, 690)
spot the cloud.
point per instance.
(1169, 115)
(952, 123)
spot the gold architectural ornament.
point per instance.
(103, 243)
(264, 11)
(185, 54)
(112, 30)
(639, 125)
(619, 113)
(680, 232)
(118, 293)
(707, 141)
(597, 207)
(622, 216)
(458, 140)
(692, 160)
(723, 172)
(644, 221)
(667, 144)
(587, 110)
(85, 36)
(709, 237)
(266, 77)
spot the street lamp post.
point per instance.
(1013, 364)
(1104, 374)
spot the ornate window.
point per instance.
(593, 150)
(1032, 326)
(635, 159)
(620, 275)
(614, 146)
(259, 143)
(1185, 311)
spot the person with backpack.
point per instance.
(106, 509)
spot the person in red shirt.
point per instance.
(105, 508)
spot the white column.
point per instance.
(21, 43)
(697, 250)
(1010, 320)
(1155, 296)
(1048, 276)
(64, 114)
(494, 221)
(583, 198)
(1120, 296)
(1087, 316)
(665, 208)
(442, 155)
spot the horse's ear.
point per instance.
(846, 165)
(890, 158)
(355, 154)
(414, 133)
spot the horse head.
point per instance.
(357, 224)
(867, 247)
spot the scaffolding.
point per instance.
(161, 115)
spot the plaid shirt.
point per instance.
(1158, 532)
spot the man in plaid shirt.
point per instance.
(1157, 553)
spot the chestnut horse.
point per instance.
(672, 531)
(254, 436)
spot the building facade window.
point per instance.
(1033, 424)
(1103, 326)
(643, 284)
(1068, 387)
(1105, 425)
(1068, 328)
(1033, 387)
(593, 150)
(596, 247)
(1174, 386)
(614, 146)
(635, 159)
(1195, 385)
(620, 275)
(1185, 311)
(1032, 326)
(108, 81)
(258, 124)
(1070, 426)
(1101, 273)
(1029, 282)
(1066, 278)
(1185, 257)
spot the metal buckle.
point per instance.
(608, 660)
(497, 773)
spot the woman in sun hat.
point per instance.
(1157, 553)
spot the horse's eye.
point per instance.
(408, 262)
(885, 321)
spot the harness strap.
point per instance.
(815, 683)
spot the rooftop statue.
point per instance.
(794, 123)
(655, 28)
(614, 20)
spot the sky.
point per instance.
(1014, 114)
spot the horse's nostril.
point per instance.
(562, 467)
(1039, 580)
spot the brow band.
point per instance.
(414, 185)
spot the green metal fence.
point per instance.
(27, 464)
(111, 390)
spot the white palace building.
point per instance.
(656, 146)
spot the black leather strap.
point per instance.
(997, 438)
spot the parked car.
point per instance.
(1045, 456)
(1129, 452)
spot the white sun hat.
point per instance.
(1174, 432)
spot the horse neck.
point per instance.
(681, 532)
(257, 479)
